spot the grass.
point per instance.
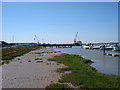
(39, 61)
(58, 86)
(84, 75)
(38, 58)
(29, 60)
(62, 70)
(51, 59)
(10, 53)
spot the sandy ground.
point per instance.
(24, 74)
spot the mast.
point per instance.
(36, 39)
(13, 39)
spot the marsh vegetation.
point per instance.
(82, 74)
(10, 53)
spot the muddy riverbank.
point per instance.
(32, 70)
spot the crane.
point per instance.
(75, 37)
(36, 39)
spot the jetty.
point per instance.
(57, 45)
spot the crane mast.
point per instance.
(36, 39)
(75, 37)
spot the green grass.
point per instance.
(38, 58)
(29, 60)
(62, 70)
(84, 75)
(51, 59)
(39, 61)
(10, 53)
(58, 87)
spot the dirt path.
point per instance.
(26, 72)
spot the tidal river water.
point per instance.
(103, 63)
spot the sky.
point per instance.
(58, 22)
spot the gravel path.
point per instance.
(26, 72)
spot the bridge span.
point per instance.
(57, 45)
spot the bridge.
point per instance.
(57, 45)
(70, 45)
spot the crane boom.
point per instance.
(75, 37)
(36, 39)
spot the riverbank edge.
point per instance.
(111, 80)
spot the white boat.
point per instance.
(96, 47)
(86, 46)
(106, 47)
(116, 49)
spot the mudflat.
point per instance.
(32, 70)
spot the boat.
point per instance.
(96, 47)
(86, 46)
(116, 48)
(106, 47)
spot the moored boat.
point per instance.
(116, 49)
(86, 46)
(106, 47)
(95, 47)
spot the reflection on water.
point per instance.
(103, 63)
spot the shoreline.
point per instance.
(103, 63)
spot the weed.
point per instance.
(29, 60)
(38, 58)
(39, 61)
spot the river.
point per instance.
(103, 63)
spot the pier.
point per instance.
(57, 45)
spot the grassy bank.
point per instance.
(57, 86)
(10, 53)
(82, 74)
